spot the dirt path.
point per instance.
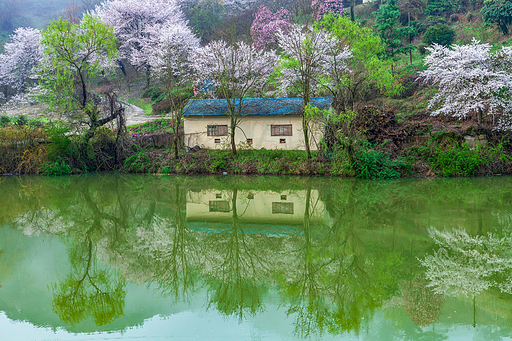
(134, 114)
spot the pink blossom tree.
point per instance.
(235, 71)
(471, 80)
(22, 53)
(322, 7)
(312, 59)
(266, 25)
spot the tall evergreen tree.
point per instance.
(390, 30)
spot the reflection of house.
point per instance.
(271, 123)
(254, 207)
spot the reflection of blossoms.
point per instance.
(42, 221)
(322, 7)
(467, 264)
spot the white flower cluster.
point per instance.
(471, 79)
(239, 67)
(467, 264)
(22, 54)
(137, 24)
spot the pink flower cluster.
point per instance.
(322, 7)
(266, 25)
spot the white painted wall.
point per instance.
(255, 127)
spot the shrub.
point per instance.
(441, 34)
(375, 164)
(56, 169)
(4, 120)
(155, 93)
(139, 162)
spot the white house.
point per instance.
(270, 123)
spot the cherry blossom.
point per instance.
(234, 71)
(322, 7)
(266, 25)
(470, 79)
(22, 53)
(135, 23)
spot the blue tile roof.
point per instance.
(253, 106)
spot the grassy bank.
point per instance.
(389, 150)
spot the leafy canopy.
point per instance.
(73, 54)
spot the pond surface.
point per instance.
(117, 257)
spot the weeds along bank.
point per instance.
(29, 146)
(374, 146)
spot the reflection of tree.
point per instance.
(88, 291)
(239, 267)
(422, 304)
(336, 279)
(170, 250)
(467, 264)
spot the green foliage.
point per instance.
(75, 52)
(60, 142)
(204, 18)
(370, 163)
(139, 162)
(366, 64)
(390, 30)
(498, 12)
(450, 159)
(441, 7)
(20, 121)
(441, 34)
(155, 93)
(4, 121)
(55, 169)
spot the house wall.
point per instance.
(256, 128)
(256, 207)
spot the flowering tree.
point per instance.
(471, 79)
(322, 7)
(467, 265)
(73, 54)
(266, 25)
(171, 63)
(21, 55)
(311, 58)
(235, 71)
(135, 23)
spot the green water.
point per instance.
(114, 257)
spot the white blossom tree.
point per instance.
(22, 53)
(467, 265)
(135, 25)
(235, 71)
(312, 59)
(471, 79)
(171, 63)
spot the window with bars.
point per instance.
(219, 206)
(282, 208)
(281, 130)
(217, 130)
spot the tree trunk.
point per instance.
(233, 145)
(352, 16)
(479, 117)
(176, 135)
(305, 129)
